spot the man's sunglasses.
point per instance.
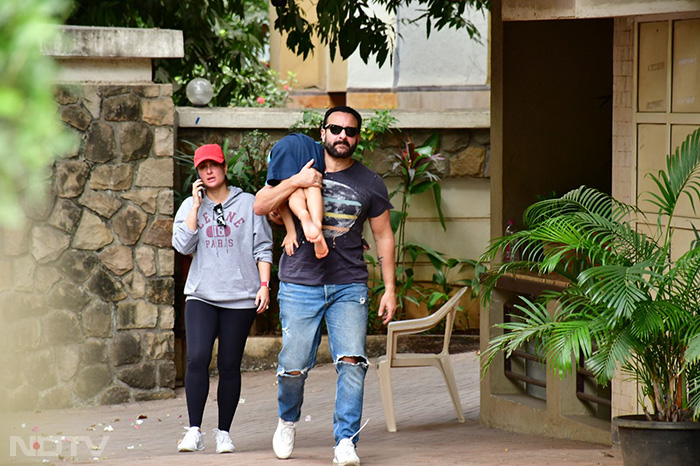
(350, 131)
(219, 211)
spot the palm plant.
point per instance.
(627, 303)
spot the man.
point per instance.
(333, 288)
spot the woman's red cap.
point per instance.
(208, 152)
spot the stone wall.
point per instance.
(465, 151)
(86, 284)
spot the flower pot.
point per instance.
(652, 443)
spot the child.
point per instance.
(288, 156)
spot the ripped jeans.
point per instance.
(302, 309)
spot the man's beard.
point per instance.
(333, 151)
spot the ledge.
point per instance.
(261, 351)
(531, 416)
(517, 10)
(282, 118)
(103, 42)
(531, 283)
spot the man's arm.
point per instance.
(384, 239)
(271, 197)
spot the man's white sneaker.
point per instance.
(283, 440)
(345, 454)
(224, 444)
(192, 441)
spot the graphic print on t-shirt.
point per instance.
(219, 236)
(341, 207)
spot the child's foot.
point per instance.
(312, 232)
(321, 248)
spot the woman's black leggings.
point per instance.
(203, 323)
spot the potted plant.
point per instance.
(632, 300)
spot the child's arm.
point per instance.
(290, 238)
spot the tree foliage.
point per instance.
(30, 134)
(350, 25)
(224, 40)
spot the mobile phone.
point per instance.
(201, 192)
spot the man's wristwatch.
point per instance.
(266, 283)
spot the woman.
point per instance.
(227, 285)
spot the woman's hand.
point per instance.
(262, 299)
(197, 188)
(197, 193)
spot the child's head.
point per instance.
(275, 217)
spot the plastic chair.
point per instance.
(440, 360)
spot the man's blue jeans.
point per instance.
(302, 308)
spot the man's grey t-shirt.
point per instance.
(349, 198)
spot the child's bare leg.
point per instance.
(310, 215)
(297, 203)
(290, 239)
(314, 203)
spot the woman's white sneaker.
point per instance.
(192, 441)
(345, 454)
(224, 444)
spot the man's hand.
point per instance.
(308, 177)
(384, 239)
(387, 307)
(270, 198)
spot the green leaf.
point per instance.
(395, 217)
(436, 297)
(437, 192)
(420, 187)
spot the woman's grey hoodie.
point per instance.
(224, 267)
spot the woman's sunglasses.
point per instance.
(219, 213)
(350, 131)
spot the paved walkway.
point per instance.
(428, 431)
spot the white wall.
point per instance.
(447, 58)
(370, 76)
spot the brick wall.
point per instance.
(624, 392)
(624, 163)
